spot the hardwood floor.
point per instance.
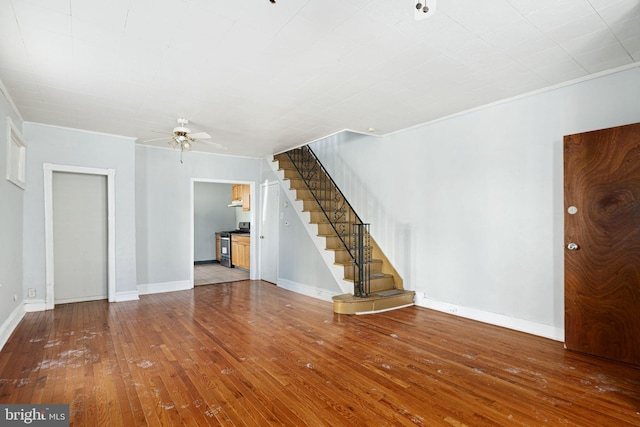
(249, 353)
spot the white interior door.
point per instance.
(269, 224)
(80, 237)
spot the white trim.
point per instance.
(49, 168)
(12, 104)
(32, 305)
(310, 291)
(127, 296)
(9, 325)
(253, 271)
(522, 96)
(92, 132)
(16, 171)
(158, 288)
(81, 299)
(384, 309)
(521, 325)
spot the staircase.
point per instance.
(375, 283)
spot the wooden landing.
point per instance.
(381, 301)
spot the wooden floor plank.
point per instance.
(249, 353)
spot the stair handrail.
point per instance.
(353, 233)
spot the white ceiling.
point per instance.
(261, 77)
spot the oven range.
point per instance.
(225, 242)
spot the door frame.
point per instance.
(49, 169)
(253, 270)
(264, 187)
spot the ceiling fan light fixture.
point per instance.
(424, 9)
(182, 138)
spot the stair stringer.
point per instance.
(337, 271)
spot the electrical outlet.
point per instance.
(31, 293)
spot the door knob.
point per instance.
(572, 247)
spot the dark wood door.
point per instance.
(602, 218)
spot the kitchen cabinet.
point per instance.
(241, 251)
(236, 192)
(242, 192)
(246, 197)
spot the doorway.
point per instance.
(211, 214)
(82, 182)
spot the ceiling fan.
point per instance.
(182, 138)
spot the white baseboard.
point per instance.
(310, 291)
(157, 288)
(9, 325)
(126, 296)
(526, 326)
(32, 305)
(80, 299)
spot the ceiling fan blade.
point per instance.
(200, 135)
(156, 139)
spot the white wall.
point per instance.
(470, 209)
(211, 214)
(63, 146)
(11, 208)
(163, 210)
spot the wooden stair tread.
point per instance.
(373, 276)
(350, 264)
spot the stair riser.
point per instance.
(285, 164)
(324, 228)
(382, 284)
(333, 242)
(290, 174)
(305, 194)
(374, 268)
(296, 183)
(342, 257)
(379, 284)
(317, 217)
